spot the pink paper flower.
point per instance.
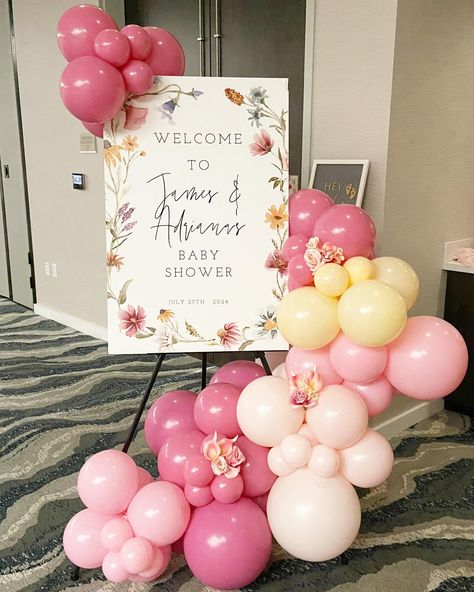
(135, 117)
(332, 254)
(235, 458)
(132, 320)
(262, 144)
(225, 457)
(219, 466)
(318, 254)
(276, 260)
(304, 389)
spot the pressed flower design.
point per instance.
(225, 457)
(304, 389)
(262, 144)
(132, 320)
(318, 253)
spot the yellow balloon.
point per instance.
(359, 269)
(400, 275)
(372, 313)
(331, 279)
(307, 318)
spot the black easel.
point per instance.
(132, 432)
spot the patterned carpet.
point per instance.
(62, 398)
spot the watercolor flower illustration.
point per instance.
(267, 323)
(276, 216)
(229, 335)
(132, 320)
(135, 117)
(113, 260)
(225, 457)
(262, 144)
(276, 260)
(165, 314)
(304, 389)
(318, 253)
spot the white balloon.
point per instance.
(305, 431)
(324, 461)
(264, 412)
(277, 464)
(313, 518)
(295, 450)
(280, 370)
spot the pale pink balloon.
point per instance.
(159, 512)
(81, 538)
(78, 28)
(295, 450)
(137, 555)
(306, 206)
(115, 533)
(280, 370)
(294, 245)
(368, 462)
(144, 477)
(138, 76)
(356, 362)
(107, 481)
(377, 394)
(167, 55)
(428, 360)
(175, 452)
(255, 472)
(324, 461)
(96, 129)
(139, 40)
(197, 471)
(308, 434)
(299, 274)
(113, 568)
(340, 418)
(239, 373)
(216, 409)
(227, 491)
(276, 463)
(301, 361)
(198, 496)
(112, 47)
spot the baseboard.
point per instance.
(71, 321)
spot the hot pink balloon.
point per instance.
(226, 490)
(377, 394)
(294, 245)
(239, 373)
(175, 452)
(115, 533)
(92, 90)
(306, 206)
(96, 129)
(198, 496)
(346, 226)
(197, 471)
(368, 462)
(112, 47)
(428, 360)
(255, 472)
(355, 362)
(216, 409)
(243, 549)
(301, 361)
(139, 40)
(113, 568)
(138, 76)
(299, 274)
(171, 414)
(78, 28)
(167, 55)
(107, 481)
(159, 512)
(81, 538)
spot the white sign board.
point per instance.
(196, 176)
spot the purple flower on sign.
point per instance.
(197, 93)
(129, 226)
(123, 209)
(126, 215)
(169, 106)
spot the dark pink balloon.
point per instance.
(112, 47)
(138, 76)
(243, 549)
(306, 206)
(177, 547)
(139, 40)
(349, 227)
(78, 28)
(167, 55)
(175, 452)
(92, 90)
(216, 409)
(294, 245)
(299, 274)
(198, 471)
(377, 394)
(240, 373)
(255, 471)
(227, 491)
(301, 361)
(198, 496)
(261, 500)
(97, 129)
(172, 413)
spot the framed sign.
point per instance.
(196, 183)
(343, 180)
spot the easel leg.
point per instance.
(204, 371)
(263, 359)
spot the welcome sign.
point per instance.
(196, 178)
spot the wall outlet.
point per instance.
(46, 268)
(54, 270)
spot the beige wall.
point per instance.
(429, 197)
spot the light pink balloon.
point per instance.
(339, 419)
(198, 496)
(81, 538)
(255, 472)
(115, 533)
(167, 55)
(159, 512)
(78, 28)
(377, 394)
(161, 559)
(299, 274)
(92, 90)
(346, 226)
(112, 47)
(113, 568)
(137, 555)
(139, 40)
(306, 206)
(216, 409)
(301, 361)
(239, 373)
(197, 471)
(324, 461)
(96, 129)
(107, 481)
(368, 462)
(175, 452)
(138, 76)
(144, 477)
(171, 414)
(294, 245)
(227, 491)
(355, 362)
(428, 360)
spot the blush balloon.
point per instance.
(167, 55)
(112, 47)
(256, 474)
(306, 206)
(239, 373)
(139, 41)
(377, 394)
(216, 409)
(138, 76)
(355, 362)
(175, 452)
(301, 361)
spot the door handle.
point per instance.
(6, 171)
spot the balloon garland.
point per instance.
(252, 455)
